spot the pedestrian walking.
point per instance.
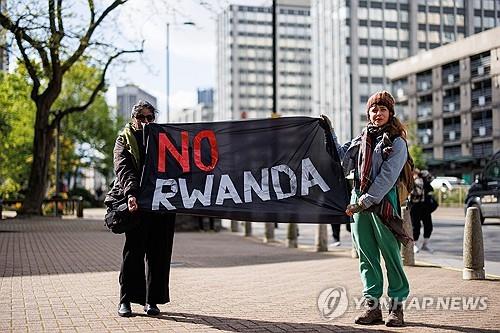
(377, 157)
(422, 204)
(151, 241)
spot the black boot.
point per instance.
(151, 310)
(124, 310)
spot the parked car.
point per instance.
(485, 192)
(448, 183)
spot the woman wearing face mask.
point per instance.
(377, 157)
(153, 238)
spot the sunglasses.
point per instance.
(142, 117)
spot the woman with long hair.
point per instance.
(377, 157)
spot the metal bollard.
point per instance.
(248, 229)
(473, 246)
(322, 238)
(235, 226)
(407, 251)
(79, 207)
(269, 233)
(1, 208)
(291, 239)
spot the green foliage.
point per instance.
(87, 138)
(16, 135)
(417, 154)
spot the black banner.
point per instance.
(267, 170)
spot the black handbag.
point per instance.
(119, 219)
(432, 204)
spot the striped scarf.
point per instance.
(388, 209)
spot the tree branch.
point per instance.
(59, 17)
(59, 114)
(16, 30)
(84, 41)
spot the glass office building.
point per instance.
(244, 61)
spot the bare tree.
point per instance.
(50, 39)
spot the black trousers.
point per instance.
(336, 230)
(419, 214)
(147, 253)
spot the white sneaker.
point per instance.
(427, 248)
(415, 248)
(335, 244)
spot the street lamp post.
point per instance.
(168, 64)
(168, 72)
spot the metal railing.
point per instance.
(56, 206)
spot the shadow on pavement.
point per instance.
(66, 246)
(241, 325)
(450, 327)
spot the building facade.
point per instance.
(354, 41)
(453, 98)
(127, 96)
(244, 61)
(4, 52)
(205, 96)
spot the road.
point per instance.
(446, 239)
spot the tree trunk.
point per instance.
(43, 146)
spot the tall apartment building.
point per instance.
(127, 96)
(4, 54)
(244, 61)
(205, 96)
(453, 98)
(354, 41)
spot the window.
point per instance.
(403, 16)
(390, 15)
(362, 13)
(451, 129)
(482, 124)
(376, 51)
(493, 171)
(452, 152)
(376, 14)
(362, 32)
(391, 34)
(424, 132)
(404, 35)
(449, 19)
(391, 52)
(376, 33)
(433, 18)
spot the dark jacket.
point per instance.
(126, 160)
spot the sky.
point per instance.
(192, 50)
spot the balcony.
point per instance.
(424, 81)
(451, 73)
(424, 110)
(452, 152)
(482, 124)
(481, 93)
(483, 149)
(480, 64)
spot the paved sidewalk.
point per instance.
(61, 275)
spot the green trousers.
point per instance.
(371, 237)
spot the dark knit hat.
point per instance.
(383, 98)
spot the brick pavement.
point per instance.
(61, 275)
